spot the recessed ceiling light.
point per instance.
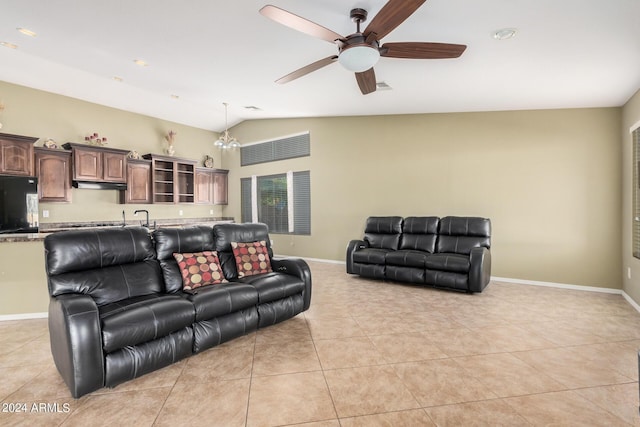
(117, 78)
(27, 32)
(140, 62)
(504, 33)
(9, 45)
(175, 96)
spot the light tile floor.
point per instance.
(369, 353)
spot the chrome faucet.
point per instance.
(124, 220)
(135, 213)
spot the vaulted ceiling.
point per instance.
(201, 53)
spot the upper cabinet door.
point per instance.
(114, 167)
(53, 170)
(87, 165)
(16, 154)
(204, 186)
(220, 187)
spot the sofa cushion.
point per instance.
(371, 256)
(224, 234)
(179, 240)
(109, 265)
(420, 233)
(273, 286)
(199, 269)
(383, 232)
(461, 234)
(140, 319)
(215, 301)
(251, 258)
(407, 258)
(448, 262)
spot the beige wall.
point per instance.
(631, 117)
(549, 180)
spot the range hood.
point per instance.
(92, 185)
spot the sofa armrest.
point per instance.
(353, 246)
(480, 269)
(296, 267)
(76, 342)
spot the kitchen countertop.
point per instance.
(53, 227)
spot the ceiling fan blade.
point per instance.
(299, 23)
(367, 81)
(416, 50)
(391, 15)
(308, 69)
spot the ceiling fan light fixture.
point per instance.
(359, 58)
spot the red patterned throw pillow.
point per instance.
(251, 258)
(199, 269)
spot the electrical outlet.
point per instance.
(210, 211)
(180, 212)
(45, 213)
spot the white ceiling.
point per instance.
(566, 54)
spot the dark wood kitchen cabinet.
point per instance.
(204, 186)
(53, 169)
(211, 186)
(220, 184)
(138, 182)
(172, 179)
(16, 154)
(98, 164)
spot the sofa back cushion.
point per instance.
(224, 234)
(108, 264)
(179, 240)
(420, 233)
(383, 232)
(461, 234)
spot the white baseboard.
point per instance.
(325, 261)
(23, 316)
(631, 301)
(558, 285)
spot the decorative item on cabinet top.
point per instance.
(170, 137)
(94, 139)
(208, 162)
(50, 143)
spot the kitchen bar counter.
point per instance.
(48, 228)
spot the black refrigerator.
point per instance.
(18, 204)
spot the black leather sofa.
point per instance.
(450, 253)
(118, 310)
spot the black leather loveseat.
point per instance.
(451, 253)
(118, 309)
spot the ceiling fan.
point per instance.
(360, 51)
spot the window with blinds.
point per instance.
(281, 201)
(635, 136)
(278, 149)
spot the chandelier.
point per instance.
(225, 140)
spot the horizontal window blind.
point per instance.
(302, 202)
(277, 149)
